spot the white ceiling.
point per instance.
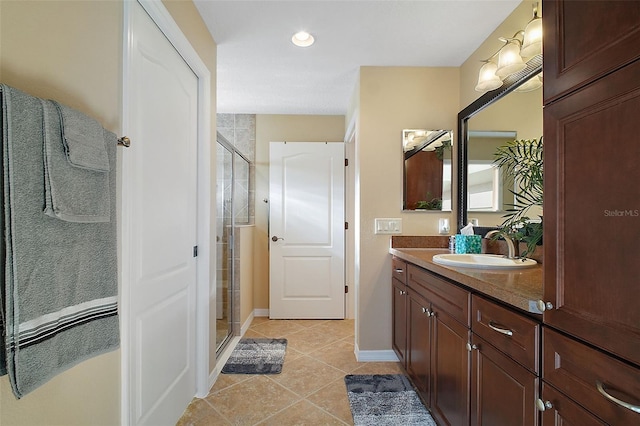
(261, 72)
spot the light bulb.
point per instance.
(532, 44)
(487, 78)
(509, 59)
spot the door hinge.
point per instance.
(346, 225)
(346, 289)
(346, 162)
(195, 251)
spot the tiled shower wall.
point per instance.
(240, 131)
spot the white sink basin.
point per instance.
(484, 261)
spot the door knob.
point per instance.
(274, 238)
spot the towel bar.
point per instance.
(124, 141)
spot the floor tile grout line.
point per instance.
(324, 387)
(336, 333)
(328, 412)
(229, 422)
(305, 398)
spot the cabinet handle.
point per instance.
(471, 347)
(544, 306)
(603, 391)
(402, 292)
(426, 311)
(399, 270)
(501, 330)
(543, 405)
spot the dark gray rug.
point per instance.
(256, 356)
(385, 399)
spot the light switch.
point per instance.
(388, 226)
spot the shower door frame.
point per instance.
(233, 309)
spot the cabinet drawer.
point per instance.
(510, 332)
(576, 369)
(562, 411)
(399, 269)
(446, 296)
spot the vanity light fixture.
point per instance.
(523, 44)
(302, 39)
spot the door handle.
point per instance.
(274, 238)
(502, 330)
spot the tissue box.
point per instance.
(468, 244)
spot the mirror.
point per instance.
(498, 116)
(427, 169)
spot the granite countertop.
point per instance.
(519, 288)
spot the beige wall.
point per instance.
(279, 128)
(391, 99)
(72, 52)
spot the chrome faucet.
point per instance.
(510, 246)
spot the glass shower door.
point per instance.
(224, 241)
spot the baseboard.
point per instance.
(222, 360)
(375, 356)
(260, 312)
(246, 324)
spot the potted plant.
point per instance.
(521, 162)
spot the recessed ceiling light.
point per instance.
(302, 39)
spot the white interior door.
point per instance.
(306, 222)
(161, 196)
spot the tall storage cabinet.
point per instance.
(592, 203)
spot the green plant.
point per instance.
(521, 162)
(430, 204)
(440, 150)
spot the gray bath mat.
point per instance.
(256, 356)
(385, 399)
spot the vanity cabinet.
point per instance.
(472, 360)
(591, 316)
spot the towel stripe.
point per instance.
(47, 326)
(24, 343)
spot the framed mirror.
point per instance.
(427, 169)
(493, 119)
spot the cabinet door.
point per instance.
(585, 40)
(450, 369)
(561, 411)
(399, 331)
(419, 344)
(592, 213)
(502, 391)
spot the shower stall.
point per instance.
(232, 200)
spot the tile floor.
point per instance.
(309, 391)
